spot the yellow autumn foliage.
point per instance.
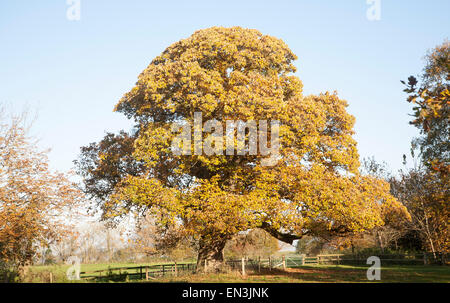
(241, 74)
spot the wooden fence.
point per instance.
(151, 272)
(146, 272)
(386, 259)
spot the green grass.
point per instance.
(41, 273)
(303, 274)
(328, 274)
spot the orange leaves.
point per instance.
(321, 196)
(239, 74)
(198, 73)
(34, 202)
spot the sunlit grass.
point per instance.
(327, 274)
(303, 274)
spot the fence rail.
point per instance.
(257, 264)
(140, 272)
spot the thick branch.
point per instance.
(285, 237)
(340, 230)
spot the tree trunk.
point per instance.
(432, 247)
(210, 254)
(427, 231)
(380, 240)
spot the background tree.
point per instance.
(234, 74)
(254, 243)
(310, 245)
(387, 235)
(425, 188)
(427, 201)
(431, 100)
(100, 242)
(34, 202)
(66, 246)
(152, 241)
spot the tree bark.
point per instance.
(210, 253)
(284, 237)
(427, 230)
(380, 240)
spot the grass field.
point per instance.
(303, 274)
(333, 274)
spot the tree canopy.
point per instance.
(33, 199)
(431, 113)
(241, 75)
(425, 189)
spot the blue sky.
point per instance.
(74, 72)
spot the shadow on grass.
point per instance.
(302, 274)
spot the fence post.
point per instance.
(51, 277)
(146, 273)
(270, 263)
(176, 269)
(425, 258)
(140, 269)
(284, 262)
(243, 266)
(259, 264)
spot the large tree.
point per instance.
(234, 74)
